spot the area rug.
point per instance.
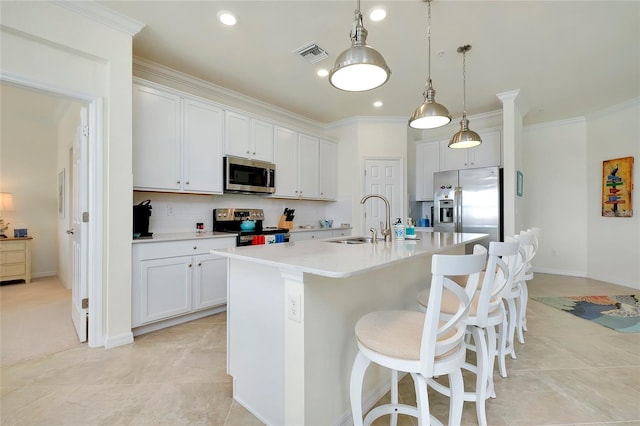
(620, 313)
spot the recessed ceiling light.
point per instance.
(377, 104)
(322, 72)
(227, 17)
(377, 13)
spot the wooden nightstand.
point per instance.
(15, 259)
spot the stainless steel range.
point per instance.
(248, 224)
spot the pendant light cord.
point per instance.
(429, 37)
(464, 49)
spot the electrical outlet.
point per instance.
(293, 307)
(170, 210)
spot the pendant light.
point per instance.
(360, 67)
(430, 114)
(465, 138)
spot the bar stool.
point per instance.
(486, 312)
(511, 295)
(421, 344)
(525, 239)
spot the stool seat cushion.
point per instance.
(396, 334)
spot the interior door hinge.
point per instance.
(85, 303)
(85, 130)
(85, 217)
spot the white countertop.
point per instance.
(180, 236)
(325, 258)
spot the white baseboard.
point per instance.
(148, 328)
(120, 340)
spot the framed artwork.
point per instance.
(61, 194)
(617, 185)
(519, 183)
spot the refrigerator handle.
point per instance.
(458, 210)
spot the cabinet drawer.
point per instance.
(12, 245)
(13, 257)
(12, 270)
(153, 250)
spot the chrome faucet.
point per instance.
(386, 231)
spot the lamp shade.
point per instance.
(465, 138)
(359, 68)
(430, 114)
(6, 201)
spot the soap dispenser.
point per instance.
(398, 230)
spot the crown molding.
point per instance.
(144, 68)
(104, 15)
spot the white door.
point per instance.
(78, 230)
(384, 177)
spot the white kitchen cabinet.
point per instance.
(328, 170)
(427, 163)
(341, 232)
(297, 164)
(177, 142)
(487, 154)
(248, 137)
(177, 278)
(317, 234)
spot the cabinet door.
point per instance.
(341, 233)
(202, 170)
(210, 281)
(427, 163)
(328, 170)
(285, 154)
(156, 139)
(261, 137)
(489, 152)
(165, 288)
(308, 166)
(236, 134)
(453, 159)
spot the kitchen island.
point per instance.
(291, 314)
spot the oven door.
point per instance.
(248, 176)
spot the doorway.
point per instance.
(384, 176)
(37, 130)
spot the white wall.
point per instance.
(554, 194)
(27, 148)
(614, 242)
(49, 45)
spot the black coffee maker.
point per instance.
(141, 214)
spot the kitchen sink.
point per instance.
(354, 240)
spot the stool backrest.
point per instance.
(518, 267)
(497, 276)
(441, 337)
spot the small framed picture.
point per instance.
(20, 233)
(519, 183)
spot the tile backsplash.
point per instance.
(180, 212)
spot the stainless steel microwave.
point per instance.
(249, 176)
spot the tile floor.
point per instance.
(569, 371)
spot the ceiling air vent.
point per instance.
(312, 53)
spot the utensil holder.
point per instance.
(284, 223)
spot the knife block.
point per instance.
(284, 223)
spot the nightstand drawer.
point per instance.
(12, 257)
(7, 271)
(12, 245)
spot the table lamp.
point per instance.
(6, 205)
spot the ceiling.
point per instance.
(568, 58)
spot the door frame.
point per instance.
(96, 196)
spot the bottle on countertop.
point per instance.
(410, 230)
(398, 230)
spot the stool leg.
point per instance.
(422, 399)
(394, 396)
(502, 343)
(456, 384)
(481, 374)
(360, 365)
(492, 342)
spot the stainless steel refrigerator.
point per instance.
(469, 200)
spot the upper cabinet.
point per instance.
(328, 170)
(427, 163)
(177, 142)
(487, 154)
(305, 166)
(248, 137)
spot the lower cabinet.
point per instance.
(177, 278)
(319, 234)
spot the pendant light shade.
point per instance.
(430, 114)
(465, 138)
(360, 67)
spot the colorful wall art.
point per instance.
(617, 186)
